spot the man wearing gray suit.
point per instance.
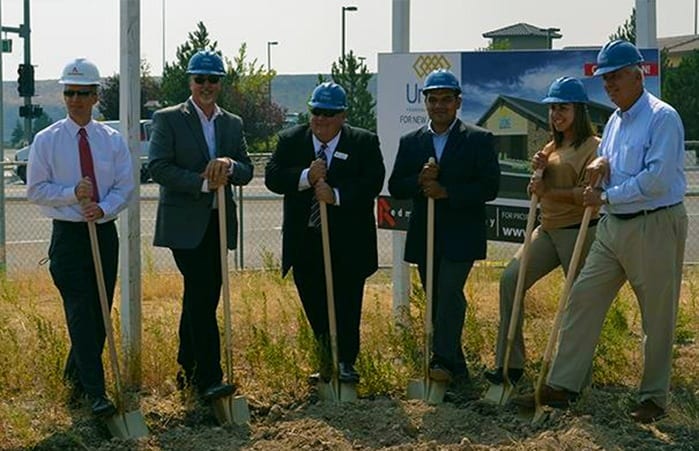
(197, 147)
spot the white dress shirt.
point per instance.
(53, 170)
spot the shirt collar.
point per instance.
(74, 128)
(446, 132)
(331, 144)
(636, 108)
(200, 112)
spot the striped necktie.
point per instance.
(314, 218)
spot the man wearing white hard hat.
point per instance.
(80, 170)
(641, 239)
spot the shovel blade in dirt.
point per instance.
(499, 394)
(127, 425)
(328, 392)
(432, 392)
(231, 410)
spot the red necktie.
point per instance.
(87, 168)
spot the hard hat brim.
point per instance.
(562, 100)
(605, 70)
(80, 82)
(205, 72)
(326, 106)
(449, 88)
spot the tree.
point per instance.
(175, 86)
(627, 32)
(248, 96)
(680, 88)
(109, 94)
(353, 75)
(18, 135)
(41, 123)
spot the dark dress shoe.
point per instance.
(216, 391)
(102, 407)
(550, 396)
(647, 412)
(496, 376)
(348, 374)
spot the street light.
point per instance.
(269, 68)
(345, 8)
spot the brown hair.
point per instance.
(582, 127)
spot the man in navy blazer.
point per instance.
(329, 161)
(195, 148)
(465, 176)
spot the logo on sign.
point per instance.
(650, 68)
(423, 65)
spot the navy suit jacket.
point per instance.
(178, 155)
(358, 176)
(470, 173)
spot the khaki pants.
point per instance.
(648, 251)
(548, 250)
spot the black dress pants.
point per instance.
(309, 277)
(448, 311)
(199, 352)
(73, 273)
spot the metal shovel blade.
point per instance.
(431, 392)
(231, 410)
(499, 394)
(127, 425)
(328, 392)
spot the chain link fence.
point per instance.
(27, 232)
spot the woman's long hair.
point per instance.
(582, 127)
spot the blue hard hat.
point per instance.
(566, 90)
(329, 96)
(441, 79)
(615, 55)
(205, 62)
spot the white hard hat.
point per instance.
(80, 71)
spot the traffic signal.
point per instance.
(30, 111)
(25, 80)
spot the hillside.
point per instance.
(290, 91)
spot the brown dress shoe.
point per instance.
(647, 412)
(549, 397)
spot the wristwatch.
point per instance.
(603, 197)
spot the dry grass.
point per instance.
(274, 348)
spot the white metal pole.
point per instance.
(3, 255)
(130, 222)
(646, 30)
(400, 274)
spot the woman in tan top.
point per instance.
(563, 161)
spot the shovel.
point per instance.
(334, 391)
(123, 425)
(227, 409)
(540, 410)
(427, 389)
(500, 394)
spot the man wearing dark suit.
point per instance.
(465, 176)
(348, 183)
(195, 148)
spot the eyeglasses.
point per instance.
(200, 79)
(324, 112)
(71, 93)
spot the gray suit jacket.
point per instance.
(178, 155)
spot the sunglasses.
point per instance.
(325, 113)
(200, 79)
(71, 93)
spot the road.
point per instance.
(28, 233)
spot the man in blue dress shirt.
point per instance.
(641, 240)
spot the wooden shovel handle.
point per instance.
(225, 287)
(429, 285)
(329, 290)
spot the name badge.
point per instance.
(340, 155)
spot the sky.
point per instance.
(308, 32)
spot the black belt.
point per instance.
(592, 223)
(625, 216)
(62, 223)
